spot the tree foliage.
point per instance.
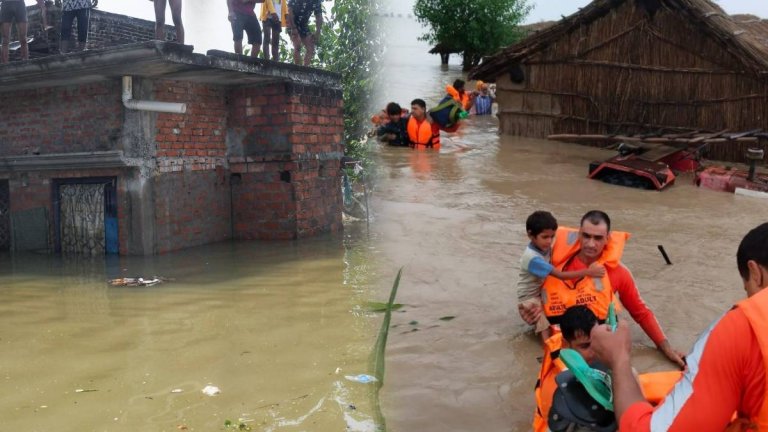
(475, 28)
(351, 45)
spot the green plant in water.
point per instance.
(229, 424)
(379, 352)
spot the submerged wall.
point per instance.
(244, 162)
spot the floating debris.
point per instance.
(137, 281)
(362, 378)
(211, 390)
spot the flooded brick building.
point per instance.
(146, 148)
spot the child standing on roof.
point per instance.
(273, 20)
(175, 15)
(535, 265)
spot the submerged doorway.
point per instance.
(86, 216)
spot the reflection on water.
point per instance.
(275, 326)
(456, 221)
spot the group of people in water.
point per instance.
(420, 128)
(569, 286)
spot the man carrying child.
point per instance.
(535, 266)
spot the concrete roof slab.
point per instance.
(155, 59)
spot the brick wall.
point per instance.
(198, 132)
(285, 142)
(61, 120)
(105, 30)
(191, 208)
(281, 143)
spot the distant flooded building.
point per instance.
(147, 148)
(636, 66)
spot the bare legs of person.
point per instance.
(255, 48)
(271, 39)
(160, 19)
(22, 29)
(296, 41)
(44, 15)
(308, 42)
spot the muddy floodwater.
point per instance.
(275, 326)
(456, 222)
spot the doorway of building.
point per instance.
(86, 216)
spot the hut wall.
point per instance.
(630, 72)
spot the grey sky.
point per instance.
(545, 10)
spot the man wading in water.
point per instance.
(577, 250)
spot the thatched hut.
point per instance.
(634, 66)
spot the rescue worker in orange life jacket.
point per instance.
(578, 249)
(576, 325)
(727, 367)
(395, 131)
(458, 93)
(422, 132)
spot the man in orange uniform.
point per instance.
(726, 368)
(593, 243)
(422, 133)
(576, 324)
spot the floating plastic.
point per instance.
(362, 378)
(211, 390)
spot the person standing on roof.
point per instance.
(71, 10)
(273, 14)
(175, 15)
(299, 12)
(16, 11)
(243, 18)
(726, 368)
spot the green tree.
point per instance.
(351, 46)
(475, 28)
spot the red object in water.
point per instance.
(728, 179)
(644, 168)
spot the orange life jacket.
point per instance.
(756, 310)
(462, 98)
(654, 385)
(551, 365)
(422, 134)
(657, 385)
(596, 294)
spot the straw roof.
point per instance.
(746, 36)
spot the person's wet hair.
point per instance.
(419, 102)
(753, 247)
(577, 319)
(539, 221)
(595, 217)
(393, 108)
(458, 84)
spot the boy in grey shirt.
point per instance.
(535, 265)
